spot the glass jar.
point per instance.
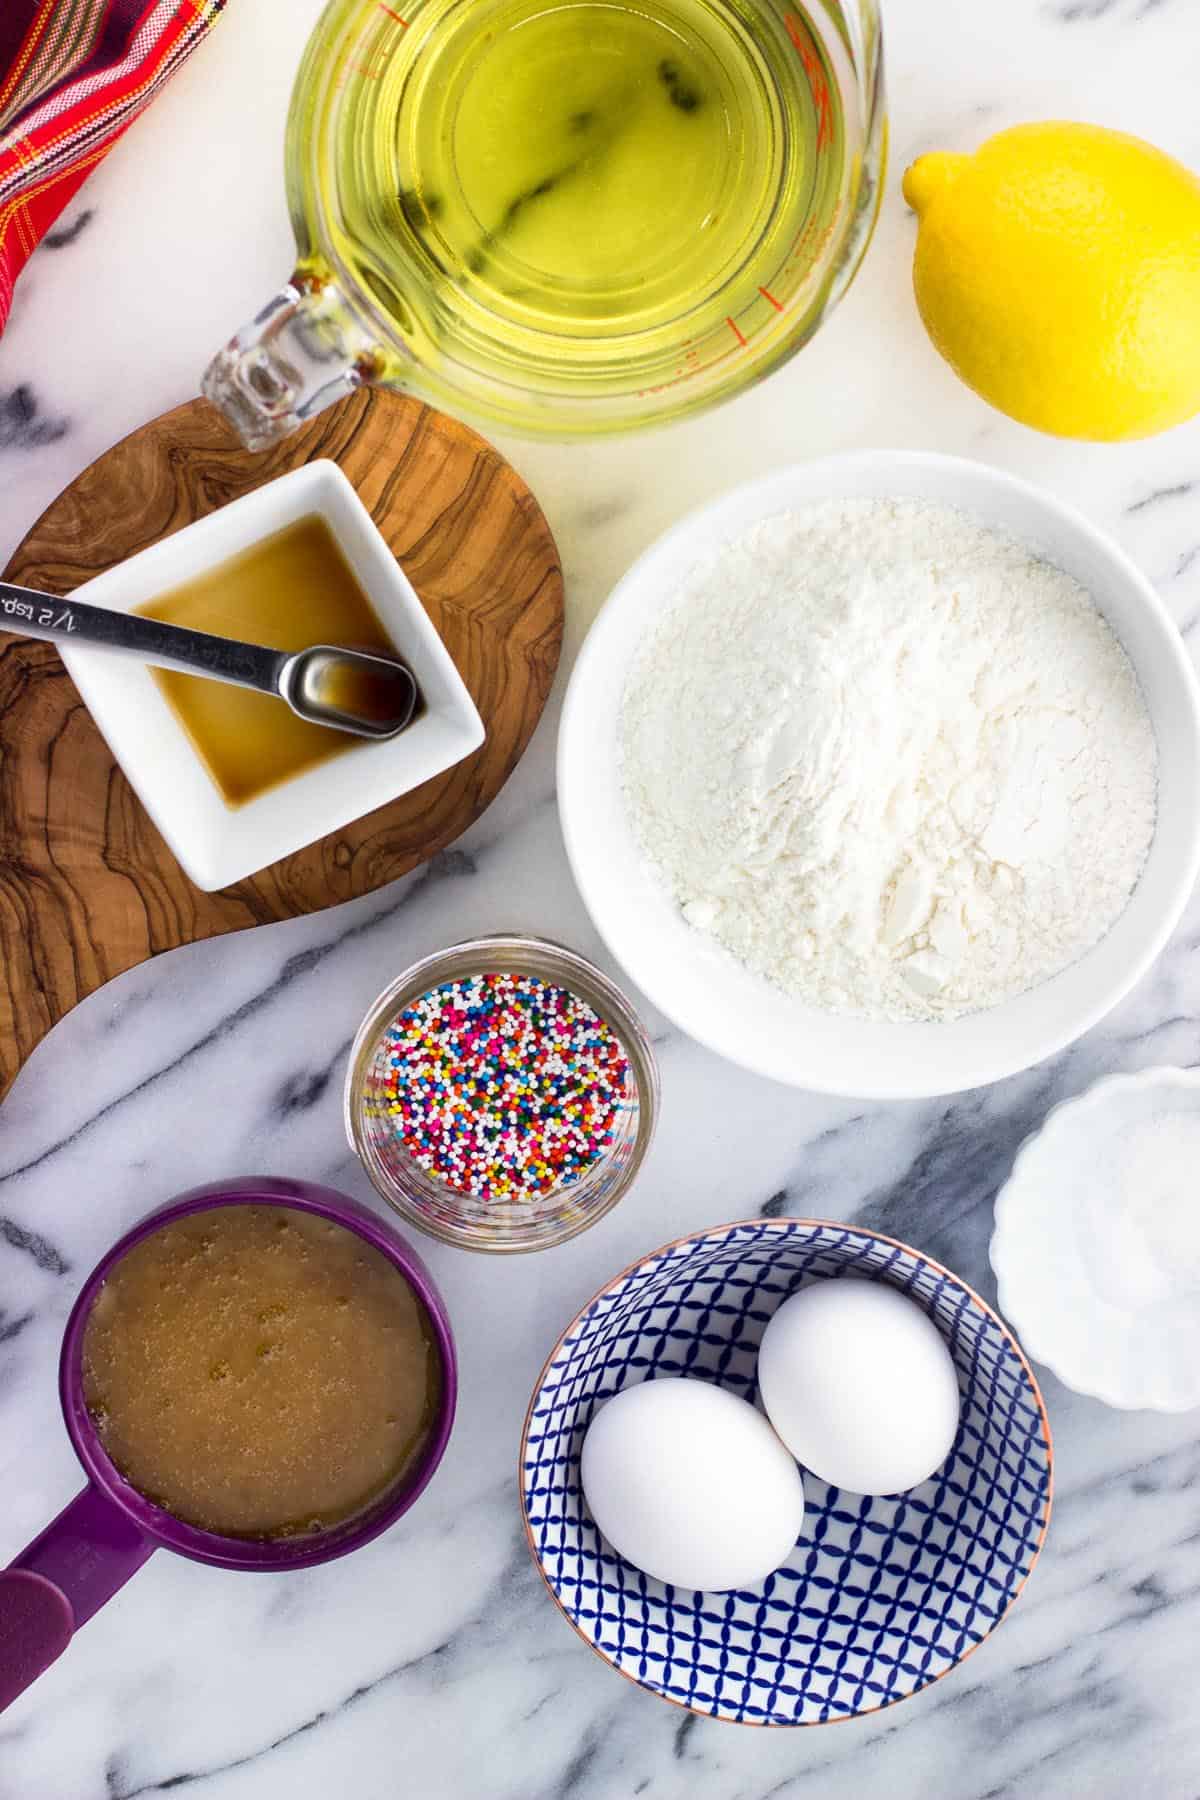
(456, 1217)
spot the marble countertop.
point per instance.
(432, 1664)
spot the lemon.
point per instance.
(1058, 272)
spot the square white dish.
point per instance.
(214, 843)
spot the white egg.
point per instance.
(860, 1386)
(690, 1484)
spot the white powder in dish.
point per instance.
(890, 759)
(1137, 1234)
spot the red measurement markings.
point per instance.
(805, 242)
(688, 366)
(698, 368)
(770, 298)
(819, 87)
(807, 233)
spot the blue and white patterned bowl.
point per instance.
(880, 1596)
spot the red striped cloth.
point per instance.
(73, 75)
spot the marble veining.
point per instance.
(21, 424)
(65, 234)
(433, 1664)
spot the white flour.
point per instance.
(890, 760)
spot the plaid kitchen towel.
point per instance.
(73, 75)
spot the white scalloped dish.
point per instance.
(1097, 1241)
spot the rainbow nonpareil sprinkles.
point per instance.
(502, 1086)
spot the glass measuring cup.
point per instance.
(565, 217)
(106, 1533)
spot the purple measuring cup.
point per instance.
(105, 1535)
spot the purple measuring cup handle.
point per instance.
(57, 1583)
(107, 1532)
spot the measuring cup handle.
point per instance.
(303, 351)
(57, 1583)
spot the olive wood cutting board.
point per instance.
(88, 888)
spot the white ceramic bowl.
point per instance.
(1099, 1271)
(214, 843)
(737, 1013)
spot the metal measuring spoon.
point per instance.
(315, 682)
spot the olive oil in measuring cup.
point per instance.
(578, 182)
(568, 215)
